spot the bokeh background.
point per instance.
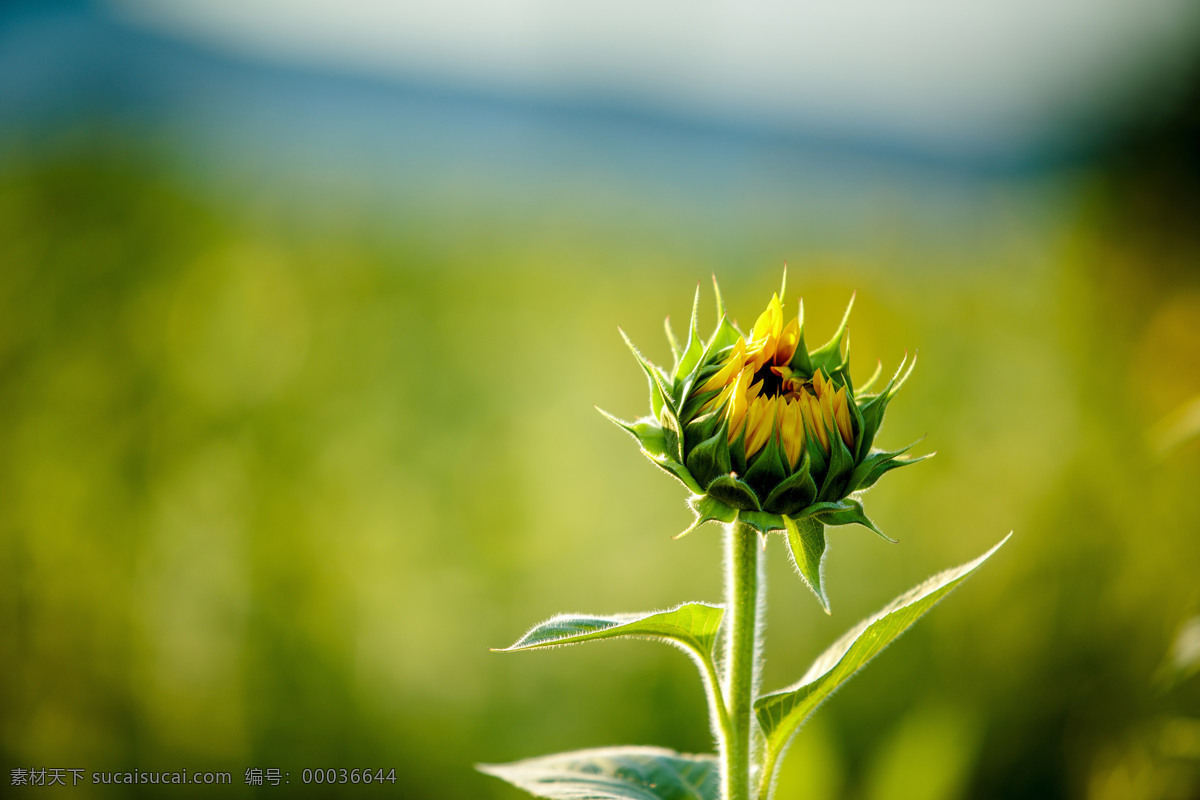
(304, 308)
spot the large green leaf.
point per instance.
(781, 713)
(691, 625)
(614, 773)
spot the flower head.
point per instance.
(763, 430)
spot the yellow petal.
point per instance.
(760, 421)
(791, 431)
(764, 336)
(813, 420)
(841, 415)
(734, 363)
(738, 402)
(769, 322)
(819, 382)
(720, 400)
(828, 418)
(788, 341)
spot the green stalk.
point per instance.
(740, 661)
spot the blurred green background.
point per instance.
(294, 428)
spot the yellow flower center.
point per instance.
(763, 396)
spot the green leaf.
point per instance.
(806, 544)
(614, 773)
(780, 714)
(692, 626)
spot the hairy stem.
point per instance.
(742, 583)
(770, 764)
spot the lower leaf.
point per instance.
(614, 773)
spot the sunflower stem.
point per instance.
(743, 590)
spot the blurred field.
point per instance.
(277, 467)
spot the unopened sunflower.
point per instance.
(763, 430)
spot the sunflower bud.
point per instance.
(762, 429)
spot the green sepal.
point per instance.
(695, 347)
(672, 435)
(795, 492)
(712, 359)
(851, 514)
(708, 509)
(733, 492)
(856, 420)
(659, 396)
(878, 463)
(647, 431)
(693, 404)
(676, 351)
(767, 469)
(710, 458)
(800, 361)
(817, 460)
(724, 336)
(762, 521)
(816, 509)
(840, 374)
(701, 428)
(872, 407)
(829, 355)
(737, 451)
(841, 465)
(703, 372)
(717, 295)
(806, 545)
(679, 471)
(866, 385)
